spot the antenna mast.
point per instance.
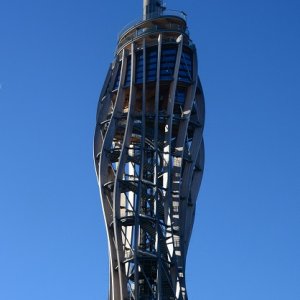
(152, 8)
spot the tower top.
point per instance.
(152, 8)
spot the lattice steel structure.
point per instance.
(149, 155)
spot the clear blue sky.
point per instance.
(53, 59)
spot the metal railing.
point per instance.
(152, 29)
(164, 13)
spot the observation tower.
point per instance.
(149, 155)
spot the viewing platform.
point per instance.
(170, 22)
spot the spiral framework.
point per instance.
(149, 155)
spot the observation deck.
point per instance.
(168, 22)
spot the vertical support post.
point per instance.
(171, 99)
(118, 178)
(157, 88)
(103, 179)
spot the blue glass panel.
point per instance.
(117, 80)
(180, 96)
(183, 73)
(168, 58)
(186, 67)
(167, 64)
(152, 67)
(164, 72)
(152, 60)
(151, 78)
(139, 67)
(151, 64)
(151, 72)
(128, 72)
(187, 80)
(169, 51)
(153, 53)
(168, 78)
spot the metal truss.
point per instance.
(149, 158)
